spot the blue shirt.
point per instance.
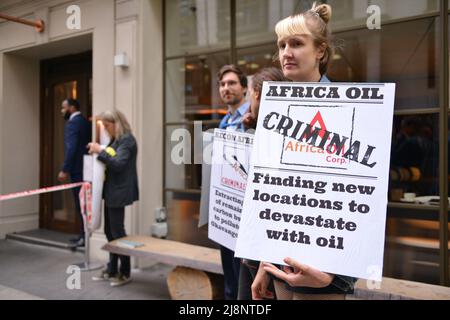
(324, 79)
(234, 121)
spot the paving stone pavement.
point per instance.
(36, 272)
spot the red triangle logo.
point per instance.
(321, 124)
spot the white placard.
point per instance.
(229, 172)
(317, 187)
(88, 168)
(207, 138)
(98, 180)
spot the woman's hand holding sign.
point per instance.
(300, 275)
(260, 285)
(94, 148)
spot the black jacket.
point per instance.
(77, 135)
(121, 184)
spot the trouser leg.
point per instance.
(231, 266)
(76, 195)
(117, 226)
(113, 258)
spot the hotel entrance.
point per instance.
(61, 78)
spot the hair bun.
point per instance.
(323, 10)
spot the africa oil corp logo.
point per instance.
(322, 120)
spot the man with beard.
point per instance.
(232, 89)
(77, 135)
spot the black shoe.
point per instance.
(80, 243)
(77, 239)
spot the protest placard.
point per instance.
(207, 138)
(229, 172)
(317, 187)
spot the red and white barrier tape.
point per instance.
(86, 202)
(39, 191)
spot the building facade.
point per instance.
(175, 48)
(38, 70)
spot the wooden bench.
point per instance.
(198, 272)
(395, 289)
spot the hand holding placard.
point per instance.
(300, 275)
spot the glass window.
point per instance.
(192, 91)
(182, 219)
(404, 53)
(184, 155)
(181, 172)
(194, 26)
(352, 13)
(256, 19)
(253, 59)
(412, 249)
(414, 158)
(412, 231)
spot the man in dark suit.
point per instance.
(77, 135)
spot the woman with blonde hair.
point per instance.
(304, 51)
(120, 188)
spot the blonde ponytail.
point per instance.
(323, 10)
